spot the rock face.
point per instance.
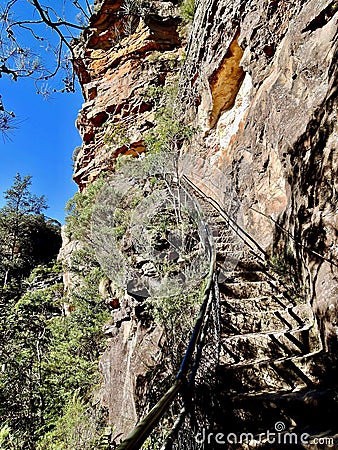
(271, 136)
(131, 352)
(119, 56)
(260, 82)
(127, 48)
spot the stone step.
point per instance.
(310, 409)
(246, 264)
(223, 254)
(237, 276)
(231, 286)
(282, 375)
(299, 412)
(240, 276)
(223, 234)
(215, 221)
(246, 289)
(227, 240)
(256, 304)
(224, 248)
(218, 238)
(229, 263)
(266, 321)
(250, 348)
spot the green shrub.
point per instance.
(177, 315)
(116, 134)
(80, 208)
(169, 132)
(79, 427)
(187, 10)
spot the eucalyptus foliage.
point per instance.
(48, 357)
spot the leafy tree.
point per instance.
(169, 132)
(23, 229)
(47, 358)
(80, 209)
(25, 337)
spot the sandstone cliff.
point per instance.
(260, 82)
(128, 47)
(120, 55)
(260, 78)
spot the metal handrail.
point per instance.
(139, 434)
(244, 235)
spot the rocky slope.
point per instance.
(259, 81)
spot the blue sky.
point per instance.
(42, 144)
(46, 135)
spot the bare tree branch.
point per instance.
(20, 57)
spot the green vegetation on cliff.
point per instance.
(27, 237)
(49, 356)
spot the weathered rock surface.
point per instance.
(132, 351)
(273, 145)
(120, 55)
(260, 82)
(69, 247)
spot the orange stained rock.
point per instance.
(135, 45)
(226, 82)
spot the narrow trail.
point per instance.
(269, 361)
(255, 363)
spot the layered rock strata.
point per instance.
(122, 52)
